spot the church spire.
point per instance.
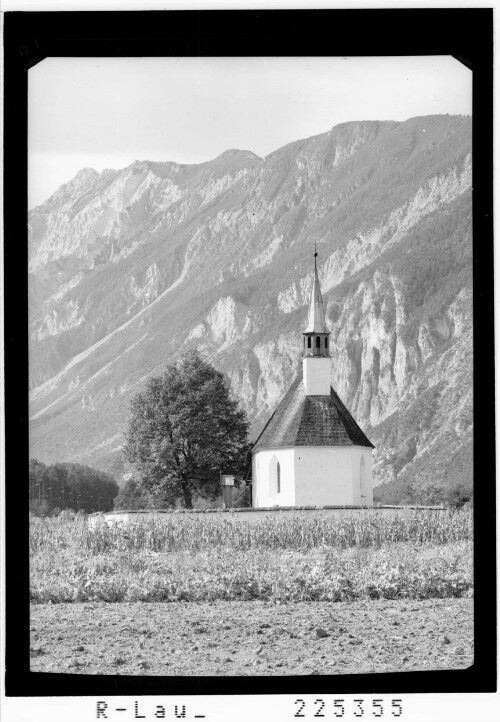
(316, 321)
(316, 353)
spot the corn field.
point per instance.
(167, 534)
(169, 559)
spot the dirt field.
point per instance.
(252, 638)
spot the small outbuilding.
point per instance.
(312, 451)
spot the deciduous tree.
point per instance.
(185, 429)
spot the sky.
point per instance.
(107, 112)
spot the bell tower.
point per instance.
(316, 353)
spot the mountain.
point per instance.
(130, 268)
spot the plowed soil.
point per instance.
(252, 638)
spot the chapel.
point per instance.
(311, 451)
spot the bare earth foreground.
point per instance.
(252, 637)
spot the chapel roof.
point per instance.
(301, 420)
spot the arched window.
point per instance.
(363, 481)
(274, 477)
(326, 341)
(308, 342)
(318, 342)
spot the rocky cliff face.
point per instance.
(130, 268)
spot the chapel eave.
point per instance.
(302, 420)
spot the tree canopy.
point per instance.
(133, 496)
(184, 430)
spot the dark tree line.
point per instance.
(69, 486)
(406, 491)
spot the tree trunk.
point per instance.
(186, 495)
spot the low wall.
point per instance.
(254, 515)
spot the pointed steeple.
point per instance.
(316, 351)
(316, 322)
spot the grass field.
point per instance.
(417, 556)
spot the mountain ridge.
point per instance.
(145, 264)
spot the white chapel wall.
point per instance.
(331, 475)
(262, 486)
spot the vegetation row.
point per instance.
(394, 571)
(198, 533)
